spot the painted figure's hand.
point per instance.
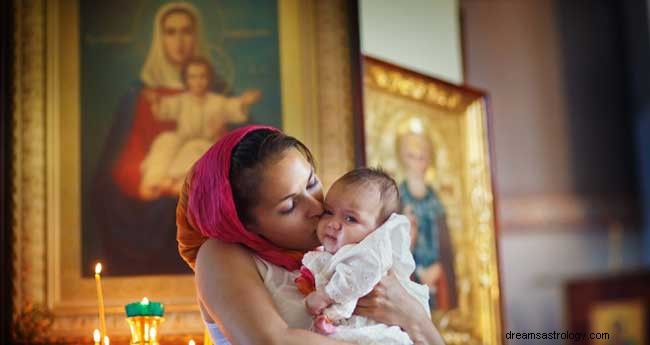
(251, 96)
(430, 275)
(317, 301)
(408, 212)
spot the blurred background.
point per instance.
(568, 83)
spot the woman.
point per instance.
(247, 214)
(121, 212)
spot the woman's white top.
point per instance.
(289, 302)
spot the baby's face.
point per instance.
(197, 79)
(350, 214)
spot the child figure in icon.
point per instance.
(201, 117)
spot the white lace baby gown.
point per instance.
(354, 270)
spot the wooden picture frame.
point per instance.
(432, 134)
(617, 304)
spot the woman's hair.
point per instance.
(198, 61)
(247, 162)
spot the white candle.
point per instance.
(100, 297)
(97, 336)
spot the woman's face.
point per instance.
(178, 34)
(290, 204)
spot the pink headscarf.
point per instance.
(211, 206)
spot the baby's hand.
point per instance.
(317, 301)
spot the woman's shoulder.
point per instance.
(221, 253)
(219, 259)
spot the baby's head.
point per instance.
(356, 205)
(197, 75)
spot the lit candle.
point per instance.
(191, 342)
(97, 336)
(100, 297)
(106, 340)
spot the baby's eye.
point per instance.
(327, 212)
(350, 219)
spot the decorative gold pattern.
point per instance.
(400, 83)
(454, 119)
(29, 156)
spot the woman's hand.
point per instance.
(391, 304)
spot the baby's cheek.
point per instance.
(321, 225)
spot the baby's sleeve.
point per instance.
(360, 270)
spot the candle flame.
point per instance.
(98, 268)
(97, 336)
(145, 301)
(191, 342)
(106, 340)
(152, 333)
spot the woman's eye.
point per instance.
(350, 219)
(327, 213)
(289, 210)
(312, 184)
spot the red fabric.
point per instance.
(305, 282)
(212, 209)
(126, 170)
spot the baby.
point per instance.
(201, 117)
(362, 239)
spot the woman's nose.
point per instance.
(315, 206)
